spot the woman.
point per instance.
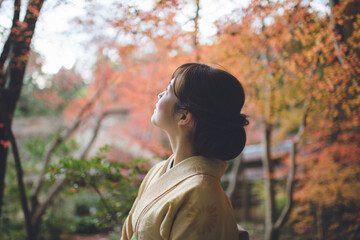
(182, 198)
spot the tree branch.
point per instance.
(292, 168)
(40, 210)
(291, 175)
(104, 202)
(196, 28)
(339, 55)
(268, 177)
(333, 3)
(99, 120)
(22, 191)
(15, 25)
(52, 147)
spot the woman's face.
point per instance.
(164, 116)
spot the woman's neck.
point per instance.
(182, 148)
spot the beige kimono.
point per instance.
(186, 202)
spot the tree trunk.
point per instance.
(196, 31)
(270, 210)
(21, 186)
(3, 155)
(15, 53)
(319, 225)
(232, 177)
(4, 133)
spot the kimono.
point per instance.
(185, 202)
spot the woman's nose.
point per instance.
(160, 95)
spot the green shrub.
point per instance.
(100, 185)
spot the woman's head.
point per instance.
(215, 98)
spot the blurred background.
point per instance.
(79, 82)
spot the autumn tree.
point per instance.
(43, 190)
(147, 46)
(13, 62)
(327, 205)
(276, 50)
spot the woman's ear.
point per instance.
(185, 119)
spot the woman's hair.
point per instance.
(215, 98)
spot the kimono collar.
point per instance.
(196, 165)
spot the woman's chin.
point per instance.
(153, 119)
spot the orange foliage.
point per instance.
(143, 69)
(285, 55)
